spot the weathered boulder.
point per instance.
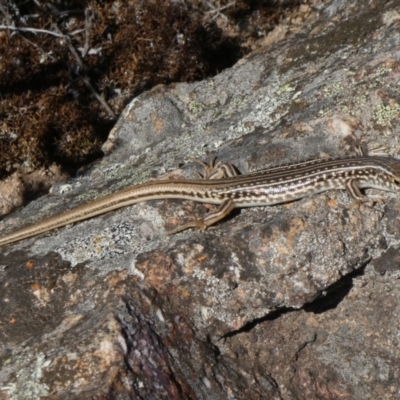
(297, 301)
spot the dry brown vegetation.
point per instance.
(68, 68)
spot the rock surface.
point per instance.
(297, 301)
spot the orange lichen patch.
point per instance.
(114, 280)
(41, 293)
(29, 264)
(107, 354)
(297, 226)
(202, 258)
(158, 123)
(303, 127)
(184, 293)
(332, 202)
(70, 278)
(242, 294)
(156, 271)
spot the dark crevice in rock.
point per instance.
(334, 294)
(330, 299)
(304, 345)
(252, 324)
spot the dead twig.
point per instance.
(88, 21)
(217, 11)
(98, 96)
(85, 79)
(33, 30)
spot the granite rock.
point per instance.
(297, 301)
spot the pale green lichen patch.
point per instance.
(195, 107)
(334, 90)
(384, 114)
(27, 383)
(286, 88)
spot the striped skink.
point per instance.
(221, 185)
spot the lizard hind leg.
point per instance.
(354, 191)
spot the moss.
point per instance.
(47, 112)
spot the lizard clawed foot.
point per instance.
(199, 224)
(214, 170)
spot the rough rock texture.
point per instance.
(298, 301)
